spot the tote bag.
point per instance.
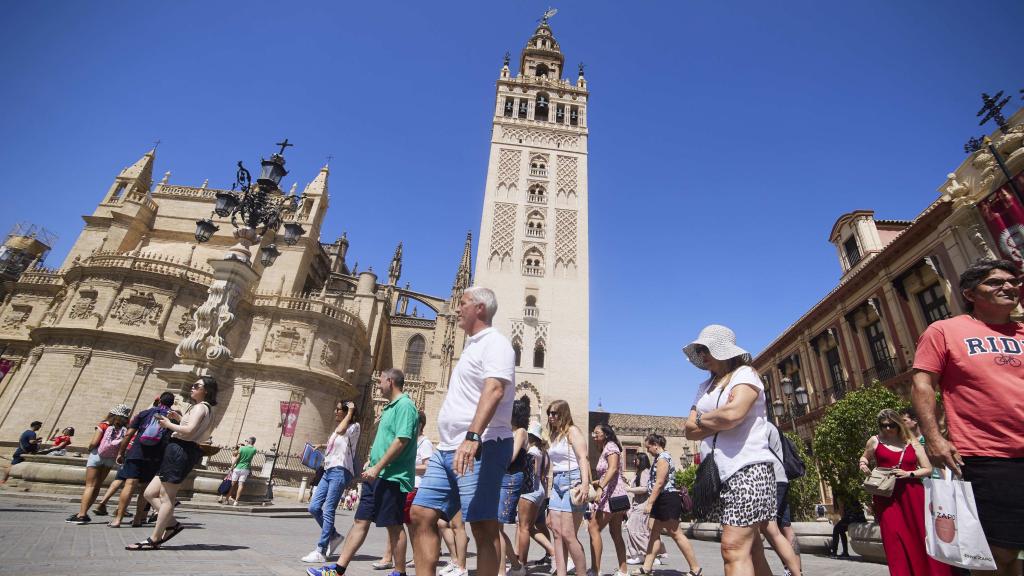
(953, 534)
(882, 480)
(708, 483)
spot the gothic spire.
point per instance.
(141, 172)
(464, 276)
(395, 270)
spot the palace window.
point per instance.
(540, 108)
(414, 355)
(933, 303)
(852, 252)
(539, 167)
(879, 349)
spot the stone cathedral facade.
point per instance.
(532, 250)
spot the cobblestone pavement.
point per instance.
(35, 540)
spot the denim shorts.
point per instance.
(476, 493)
(96, 461)
(537, 496)
(508, 501)
(561, 486)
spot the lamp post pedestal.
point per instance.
(246, 237)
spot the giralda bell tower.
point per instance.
(532, 247)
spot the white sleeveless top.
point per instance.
(745, 444)
(562, 456)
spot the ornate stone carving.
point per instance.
(215, 315)
(85, 306)
(567, 169)
(957, 191)
(16, 317)
(503, 232)
(330, 354)
(81, 359)
(287, 340)
(565, 240)
(137, 308)
(539, 137)
(142, 368)
(35, 354)
(187, 323)
(508, 169)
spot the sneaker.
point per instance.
(331, 570)
(620, 573)
(456, 571)
(315, 557)
(634, 560)
(786, 572)
(444, 570)
(544, 561)
(152, 518)
(570, 568)
(80, 520)
(658, 561)
(100, 510)
(521, 571)
(334, 547)
(235, 503)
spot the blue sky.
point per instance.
(726, 137)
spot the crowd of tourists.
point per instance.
(493, 467)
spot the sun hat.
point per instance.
(720, 342)
(535, 430)
(122, 410)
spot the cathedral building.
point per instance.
(107, 325)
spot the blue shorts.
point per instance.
(382, 502)
(476, 493)
(508, 502)
(561, 485)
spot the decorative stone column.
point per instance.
(204, 350)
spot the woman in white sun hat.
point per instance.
(731, 403)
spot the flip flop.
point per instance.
(171, 533)
(112, 525)
(146, 544)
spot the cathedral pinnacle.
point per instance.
(463, 277)
(395, 270)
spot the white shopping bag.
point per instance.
(953, 534)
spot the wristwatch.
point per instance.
(472, 437)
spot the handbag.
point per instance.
(882, 480)
(618, 503)
(953, 533)
(708, 483)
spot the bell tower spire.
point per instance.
(395, 270)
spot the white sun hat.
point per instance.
(535, 429)
(122, 410)
(720, 342)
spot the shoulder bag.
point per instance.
(882, 479)
(708, 483)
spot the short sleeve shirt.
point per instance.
(488, 354)
(747, 442)
(981, 374)
(424, 448)
(399, 419)
(25, 441)
(341, 447)
(137, 450)
(245, 454)
(616, 487)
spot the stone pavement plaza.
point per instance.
(35, 540)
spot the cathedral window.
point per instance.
(574, 115)
(538, 355)
(509, 107)
(540, 109)
(414, 356)
(522, 108)
(537, 194)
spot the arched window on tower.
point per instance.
(539, 166)
(538, 354)
(542, 70)
(517, 347)
(574, 115)
(537, 194)
(540, 108)
(533, 263)
(414, 356)
(530, 310)
(535, 225)
(510, 105)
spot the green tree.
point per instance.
(842, 432)
(685, 477)
(804, 492)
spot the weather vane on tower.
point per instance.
(549, 13)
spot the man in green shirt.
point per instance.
(387, 479)
(240, 472)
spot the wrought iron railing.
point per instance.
(882, 370)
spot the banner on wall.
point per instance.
(1004, 218)
(289, 417)
(5, 367)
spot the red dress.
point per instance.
(901, 520)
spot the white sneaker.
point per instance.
(657, 561)
(521, 571)
(315, 557)
(634, 560)
(620, 573)
(570, 568)
(334, 547)
(444, 570)
(456, 571)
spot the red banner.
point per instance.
(289, 417)
(5, 367)
(1004, 217)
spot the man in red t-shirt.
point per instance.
(977, 359)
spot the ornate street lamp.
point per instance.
(779, 409)
(787, 386)
(260, 207)
(801, 396)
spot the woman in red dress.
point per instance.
(901, 516)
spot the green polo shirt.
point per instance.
(399, 419)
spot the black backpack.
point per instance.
(791, 461)
(529, 479)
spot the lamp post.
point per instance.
(798, 396)
(992, 109)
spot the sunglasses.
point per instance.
(550, 413)
(998, 282)
(197, 385)
(889, 426)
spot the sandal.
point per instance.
(382, 565)
(112, 525)
(697, 573)
(171, 532)
(146, 544)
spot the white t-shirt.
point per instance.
(341, 447)
(745, 444)
(487, 354)
(538, 458)
(775, 443)
(424, 448)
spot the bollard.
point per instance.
(302, 489)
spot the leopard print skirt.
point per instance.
(748, 496)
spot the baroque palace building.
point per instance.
(898, 276)
(110, 323)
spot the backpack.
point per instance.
(110, 442)
(791, 461)
(153, 433)
(532, 481)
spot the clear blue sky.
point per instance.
(726, 137)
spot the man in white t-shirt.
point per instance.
(475, 427)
